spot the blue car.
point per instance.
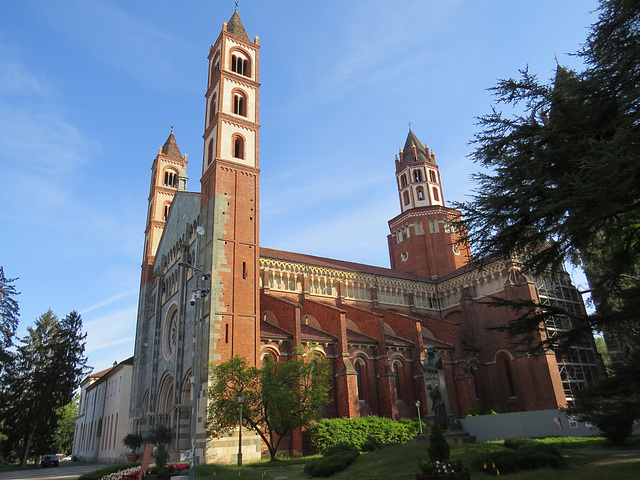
(50, 461)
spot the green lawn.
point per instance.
(401, 462)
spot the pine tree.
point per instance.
(49, 365)
(9, 313)
(562, 183)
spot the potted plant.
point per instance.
(160, 436)
(133, 441)
(439, 467)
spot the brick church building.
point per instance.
(373, 324)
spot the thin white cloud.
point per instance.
(102, 346)
(109, 300)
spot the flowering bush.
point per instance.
(134, 473)
(441, 468)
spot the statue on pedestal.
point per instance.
(436, 387)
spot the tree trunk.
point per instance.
(27, 447)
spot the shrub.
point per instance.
(524, 455)
(340, 448)
(439, 450)
(357, 432)
(327, 466)
(515, 443)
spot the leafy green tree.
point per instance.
(279, 397)
(562, 183)
(9, 316)
(50, 363)
(63, 435)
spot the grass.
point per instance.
(401, 462)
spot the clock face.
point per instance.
(456, 249)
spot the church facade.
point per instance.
(210, 291)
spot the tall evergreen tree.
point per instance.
(9, 313)
(562, 183)
(49, 364)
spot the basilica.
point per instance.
(209, 290)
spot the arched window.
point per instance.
(420, 192)
(417, 175)
(213, 105)
(358, 367)
(170, 178)
(436, 197)
(406, 198)
(397, 371)
(165, 396)
(432, 176)
(240, 64)
(210, 152)
(239, 103)
(403, 181)
(165, 214)
(507, 371)
(238, 147)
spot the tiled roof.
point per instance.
(407, 151)
(235, 27)
(339, 264)
(170, 147)
(311, 334)
(268, 330)
(397, 341)
(357, 337)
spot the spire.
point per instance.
(235, 27)
(170, 147)
(413, 150)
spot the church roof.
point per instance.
(235, 27)
(407, 151)
(170, 147)
(339, 264)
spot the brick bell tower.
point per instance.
(423, 237)
(229, 247)
(168, 170)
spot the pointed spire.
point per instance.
(413, 150)
(170, 147)
(183, 178)
(235, 27)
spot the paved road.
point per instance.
(66, 470)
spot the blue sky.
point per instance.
(89, 89)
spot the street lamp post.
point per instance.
(240, 402)
(419, 420)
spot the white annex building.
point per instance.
(103, 414)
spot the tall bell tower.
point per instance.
(423, 237)
(168, 172)
(229, 196)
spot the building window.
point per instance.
(396, 373)
(238, 147)
(210, 152)
(507, 371)
(406, 198)
(240, 104)
(432, 176)
(166, 211)
(417, 175)
(403, 181)
(436, 197)
(420, 192)
(240, 65)
(358, 367)
(212, 108)
(170, 178)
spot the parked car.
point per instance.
(50, 461)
